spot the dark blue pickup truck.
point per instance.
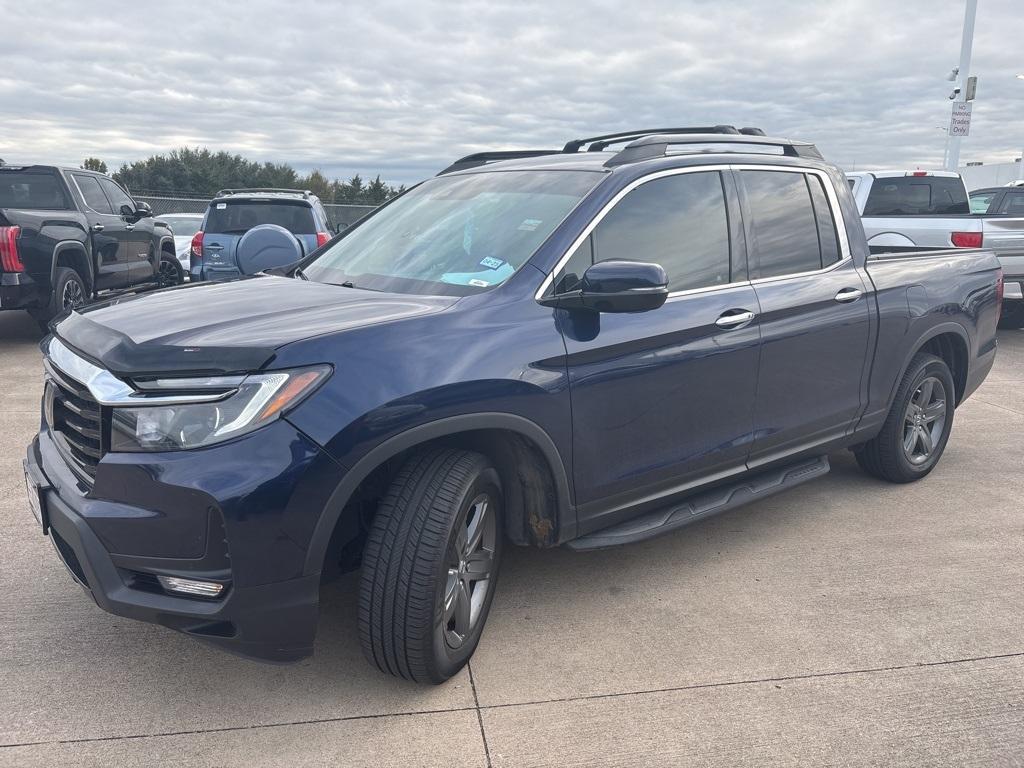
(580, 348)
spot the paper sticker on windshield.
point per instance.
(479, 283)
(490, 262)
(221, 206)
(529, 225)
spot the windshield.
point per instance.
(454, 235)
(239, 216)
(182, 226)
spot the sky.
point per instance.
(403, 88)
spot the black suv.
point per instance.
(68, 234)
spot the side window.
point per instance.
(828, 236)
(784, 222)
(981, 202)
(568, 278)
(1013, 203)
(679, 222)
(116, 195)
(94, 197)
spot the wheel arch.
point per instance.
(949, 342)
(71, 253)
(534, 479)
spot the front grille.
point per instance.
(76, 421)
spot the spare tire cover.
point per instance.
(266, 246)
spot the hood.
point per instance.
(226, 327)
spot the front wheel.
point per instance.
(918, 425)
(430, 565)
(168, 272)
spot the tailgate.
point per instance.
(219, 251)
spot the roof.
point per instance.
(890, 174)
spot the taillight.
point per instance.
(10, 259)
(197, 245)
(919, 173)
(966, 239)
(321, 238)
(999, 294)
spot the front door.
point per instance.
(815, 322)
(109, 233)
(663, 400)
(141, 253)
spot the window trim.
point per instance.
(830, 193)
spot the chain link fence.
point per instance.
(340, 215)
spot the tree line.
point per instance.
(199, 172)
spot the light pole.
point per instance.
(1020, 171)
(964, 71)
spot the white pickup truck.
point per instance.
(913, 209)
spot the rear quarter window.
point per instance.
(917, 196)
(32, 190)
(228, 216)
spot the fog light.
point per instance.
(191, 586)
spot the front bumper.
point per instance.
(273, 621)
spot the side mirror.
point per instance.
(143, 210)
(616, 286)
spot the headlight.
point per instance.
(253, 402)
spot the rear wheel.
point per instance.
(1013, 316)
(67, 293)
(430, 565)
(917, 428)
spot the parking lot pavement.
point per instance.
(846, 622)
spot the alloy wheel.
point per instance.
(72, 296)
(470, 565)
(167, 274)
(924, 421)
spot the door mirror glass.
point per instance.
(616, 286)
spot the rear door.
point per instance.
(814, 311)
(662, 400)
(111, 239)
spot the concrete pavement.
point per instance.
(847, 622)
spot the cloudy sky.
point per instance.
(401, 88)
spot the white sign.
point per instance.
(960, 120)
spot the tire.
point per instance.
(169, 271)
(68, 291)
(917, 428)
(1013, 316)
(412, 570)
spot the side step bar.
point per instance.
(743, 491)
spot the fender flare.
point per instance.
(931, 333)
(69, 245)
(166, 239)
(418, 435)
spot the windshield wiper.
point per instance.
(299, 273)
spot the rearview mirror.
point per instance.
(616, 286)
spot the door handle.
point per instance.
(130, 227)
(96, 227)
(736, 319)
(847, 295)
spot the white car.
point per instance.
(183, 226)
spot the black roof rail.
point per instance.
(658, 146)
(598, 143)
(482, 158)
(243, 190)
